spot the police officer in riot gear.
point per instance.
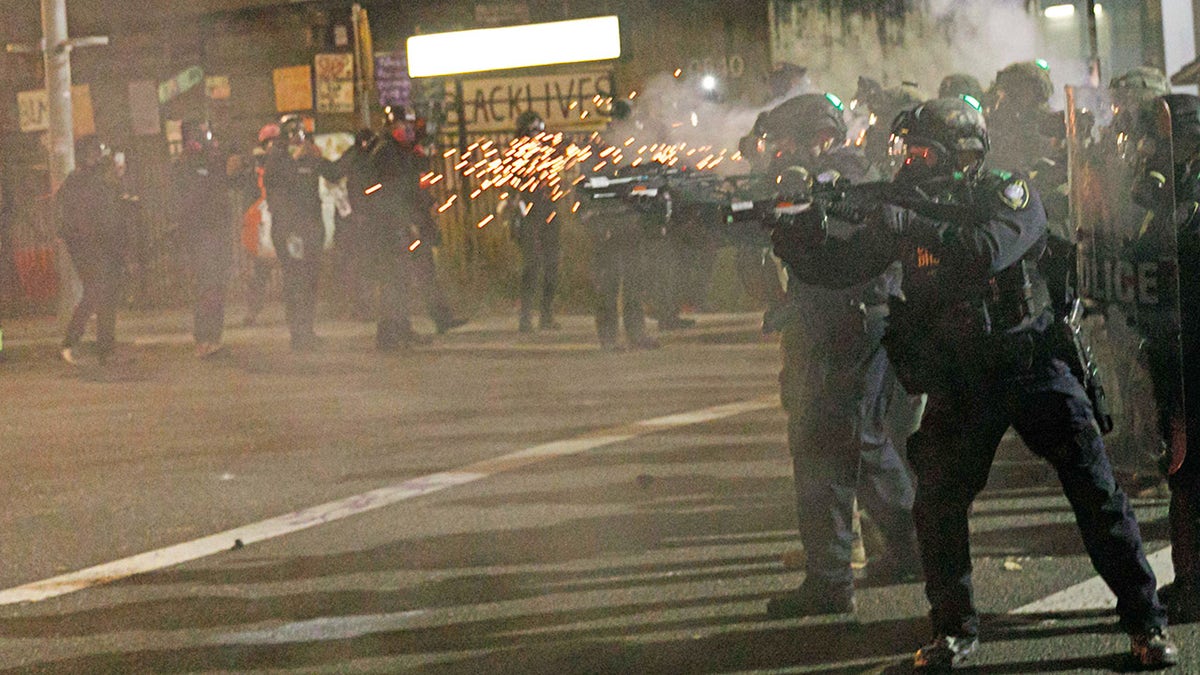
(291, 178)
(536, 232)
(1022, 126)
(201, 177)
(837, 388)
(883, 104)
(1130, 92)
(972, 332)
(1029, 137)
(1170, 358)
(618, 231)
(960, 84)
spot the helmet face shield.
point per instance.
(924, 155)
(940, 138)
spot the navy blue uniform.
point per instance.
(839, 391)
(972, 332)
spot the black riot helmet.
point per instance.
(1142, 82)
(529, 123)
(1131, 91)
(1183, 149)
(941, 137)
(804, 122)
(89, 151)
(1026, 84)
(292, 128)
(960, 84)
(620, 110)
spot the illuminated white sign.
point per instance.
(539, 44)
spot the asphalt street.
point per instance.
(492, 502)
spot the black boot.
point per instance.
(811, 600)
(1153, 649)
(945, 652)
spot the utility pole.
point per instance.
(364, 64)
(55, 47)
(56, 57)
(1093, 45)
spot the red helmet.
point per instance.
(268, 132)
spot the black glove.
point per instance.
(906, 223)
(796, 235)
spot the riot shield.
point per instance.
(1154, 254)
(1126, 277)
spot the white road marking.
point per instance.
(323, 628)
(1094, 593)
(367, 501)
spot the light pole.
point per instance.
(55, 47)
(56, 57)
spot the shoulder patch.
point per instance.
(1015, 194)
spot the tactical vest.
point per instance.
(952, 328)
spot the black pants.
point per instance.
(258, 281)
(100, 277)
(619, 278)
(391, 271)
(664, 258)
(426, 284)
(1185, 523)
(210, 262)
(540, 252)
(300, 278)
(952, 453)
(1166, 371)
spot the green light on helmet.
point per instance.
(1043, 64)
(973, 102)
(837, 102)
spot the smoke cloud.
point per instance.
(840, 43)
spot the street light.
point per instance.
(1059, 11)
(1065, 11)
